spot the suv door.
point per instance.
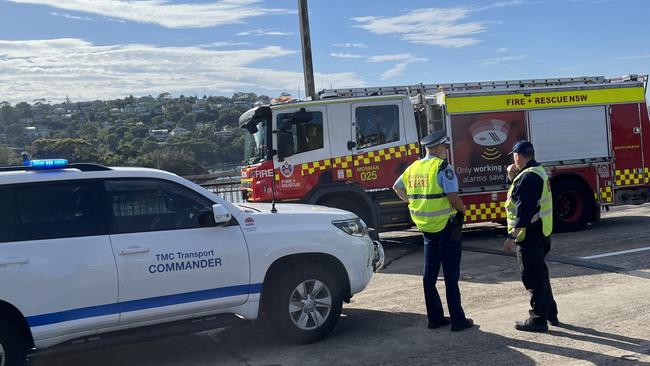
(172, 259)
(56, 261)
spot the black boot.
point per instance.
(439, 323)
(529, 325)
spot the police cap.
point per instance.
(523, 147)
(435, 138)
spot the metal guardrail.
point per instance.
(228, 188)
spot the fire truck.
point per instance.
(346, 150)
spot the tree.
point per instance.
(75, 150)
(8, 157)
(7, 113)
(24, 110)
(16, 135)
(188, 122)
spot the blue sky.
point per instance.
(104, 49)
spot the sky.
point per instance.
(107, 49)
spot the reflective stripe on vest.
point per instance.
(544, 205)
(429, 207)
(426, 196)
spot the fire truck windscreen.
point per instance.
(255, 143)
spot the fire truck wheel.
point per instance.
(571, 205)
(349, 205)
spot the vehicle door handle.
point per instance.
(134, 250)
(7, 261)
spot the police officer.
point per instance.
(529, 210)
(430, 187)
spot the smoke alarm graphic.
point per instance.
(489, 133)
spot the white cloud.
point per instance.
(436, 27)
(264, 32)
(501, 4)
(345, 55)
(165, 13)
(351, 45)
(394, 71)
(68, 16)
(400, 68)
(84, 71)
(393, 57)
(444, 27)
(499, 60)
(503, 49)
(224, 44)
(640, 57)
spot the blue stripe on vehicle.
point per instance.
(149, 303)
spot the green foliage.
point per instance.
(8, 157)
(75, 150)
(103, 132)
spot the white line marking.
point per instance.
(616, 253)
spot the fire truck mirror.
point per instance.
(302, 116)
(252, 128)
(285, 144)
(285, 124)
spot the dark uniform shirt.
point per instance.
(526, 195)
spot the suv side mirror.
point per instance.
(221, 215)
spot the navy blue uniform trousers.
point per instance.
(439, 249)
(534, 274)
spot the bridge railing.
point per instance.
(227, 187)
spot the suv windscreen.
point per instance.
(49, 211)
(141, 205)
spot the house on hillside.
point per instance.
(179, 131)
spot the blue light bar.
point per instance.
(46, 164)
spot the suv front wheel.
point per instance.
(13, 351)
(305, 304)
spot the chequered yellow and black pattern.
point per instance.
(485, 211)
(628, 177)
(646, 171)
(395, 152)
(607, 194)
(346, 162)
(316, 166)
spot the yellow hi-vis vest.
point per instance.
(429, 207)
(544, 205)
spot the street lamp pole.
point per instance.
(305, 38)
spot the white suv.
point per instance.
(90, 253)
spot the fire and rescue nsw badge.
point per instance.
(288, 182)
(286, 169)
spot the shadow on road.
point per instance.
(362, 337)
(485, 262)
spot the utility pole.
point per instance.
(305, 38)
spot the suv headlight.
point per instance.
(354, 227)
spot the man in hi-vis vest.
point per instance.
(430, 187)
(529, 210)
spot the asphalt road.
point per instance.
(603, 304)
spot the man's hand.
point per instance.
(509, 245)
(512, 171)
(401, 193)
